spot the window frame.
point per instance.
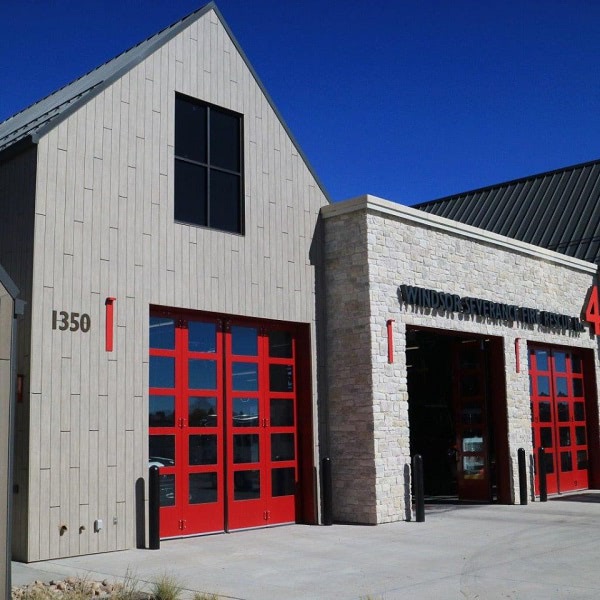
(208, 167)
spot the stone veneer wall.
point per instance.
(406, 246)
(351, 422)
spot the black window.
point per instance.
(208, 166)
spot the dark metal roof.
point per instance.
(558, 210)
(28, 125)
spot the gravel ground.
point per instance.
(75, 588)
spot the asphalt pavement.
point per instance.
(541, 551)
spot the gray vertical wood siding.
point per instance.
(104, 227)
(17, 197)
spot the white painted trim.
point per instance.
(406, 213)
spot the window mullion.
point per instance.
(208, 167)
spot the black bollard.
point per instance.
(154, 509)
(522, 476)
(418, 488)
(327, 486)
(542, 474)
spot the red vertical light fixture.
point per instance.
(518, 354)
(390, 339)
(110, 317)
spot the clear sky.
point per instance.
(409, 100)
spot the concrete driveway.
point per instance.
(540, 551)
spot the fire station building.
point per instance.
(195, 302)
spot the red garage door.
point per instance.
(559, 417)
(223, 423)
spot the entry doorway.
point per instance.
(228, 401)
(457, 415)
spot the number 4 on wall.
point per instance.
(592, 310)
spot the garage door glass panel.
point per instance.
(202, 449)
(560, 362)
(161, 411)
(202, 412)
(582, 462)
(246, 485)
(283, 481)
(580, 439)
(162, 450)
(280, 344)
(579, 410)
(162, 333)
(561, 387)
(545, 412)
(281, 378)
(282, 446)
(246, 448)
(202, 374)
(546, 437)
(541, 359)
(202, 337)
(563, 411)
(162, 372)
(245, 412)
(245, 377)
(565, 436)
(577, 388)
(282, 412)
(566, 464)
(203, 488)
(244, 341)
(576, 364)
(543, 386)
(167, 490)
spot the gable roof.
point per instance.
(29, 125)
(558, 210)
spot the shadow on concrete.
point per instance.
(579, 497)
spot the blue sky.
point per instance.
(406, 100)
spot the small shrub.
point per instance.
(203, 596)
(166, 588)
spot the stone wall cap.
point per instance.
(413, 216)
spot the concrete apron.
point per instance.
(540, 551)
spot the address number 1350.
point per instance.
(63, 321)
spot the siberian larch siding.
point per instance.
(104, 227)
(17, 195)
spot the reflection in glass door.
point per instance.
(222, 423)
(558, 417)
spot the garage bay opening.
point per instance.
(457, 415)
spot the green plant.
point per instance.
(166, 587)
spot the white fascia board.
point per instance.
(411, 215)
